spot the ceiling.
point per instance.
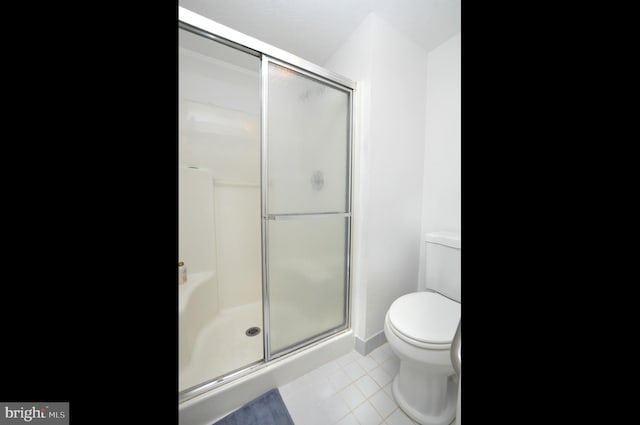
(314, 29)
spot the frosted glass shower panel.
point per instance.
(308, 154)
(219, 209)
(307, 275)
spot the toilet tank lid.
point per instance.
(445, 238)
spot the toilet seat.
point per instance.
(424, 319)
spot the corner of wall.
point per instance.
(365, 346)
(353, 59)
(442, 163)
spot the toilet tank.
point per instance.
(442, 265)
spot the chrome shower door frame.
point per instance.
(208, 28)
(325, 79)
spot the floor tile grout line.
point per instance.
(347, 360)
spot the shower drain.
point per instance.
(252, 331)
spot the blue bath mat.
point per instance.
(268, 409)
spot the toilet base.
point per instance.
(423, 403)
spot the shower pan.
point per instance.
(265, 152)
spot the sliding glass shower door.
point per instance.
(220, 303)
(306, 205)
(264, 209)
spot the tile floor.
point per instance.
(352, 390)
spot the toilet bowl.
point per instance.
(419, 328)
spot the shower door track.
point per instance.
(210, 29)
(219, 381)
(207, 28)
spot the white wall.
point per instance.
(441, 198)
(391, 71)
(354, 59)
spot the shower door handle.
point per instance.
(297, 216)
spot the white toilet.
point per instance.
(420, 327)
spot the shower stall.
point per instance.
(264, 171)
